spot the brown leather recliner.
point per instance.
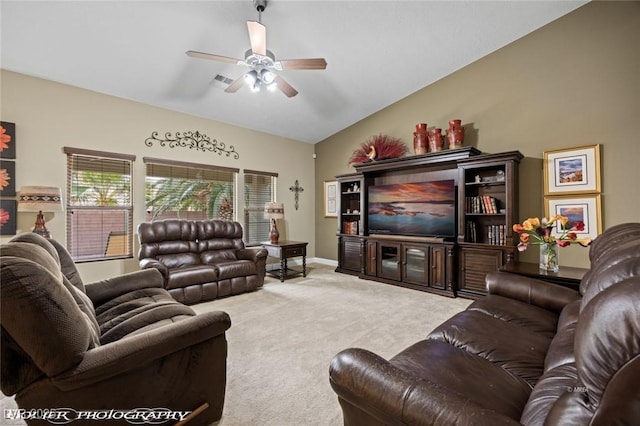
(119, 344)
(201, 260)
(529, 352)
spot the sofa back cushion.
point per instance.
(58, 251)
(172, 241)
(218, 240)
(607, 349)
(44, 328)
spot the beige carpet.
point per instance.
(283, 337)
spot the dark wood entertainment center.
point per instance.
(486, 208)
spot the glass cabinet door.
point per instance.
(389, 261)
(415, 264)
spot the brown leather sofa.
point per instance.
(120, 344)
(529, 353)
(201, 260)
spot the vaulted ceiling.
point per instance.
(378, 52)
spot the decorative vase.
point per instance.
(274, 235)
(455, 134)
(549, 257)
(435, 140)
(420, 143)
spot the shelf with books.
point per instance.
(488, 186)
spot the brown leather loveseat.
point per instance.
(201, 260)
(121, 346)
(529, 353)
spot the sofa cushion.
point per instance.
(191, 275)
(466, 374)
(508, 345)
(552, 385)
(561, 347)
(33, 297)
(179, 259)
(238, 268)
(135, 310)
(525, 315)
(45, 255)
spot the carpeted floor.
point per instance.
(283, 337)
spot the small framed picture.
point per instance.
(331, 198)
(7, 140)
(8, 212)
(7, 178)
(585, 209)
(572, 171)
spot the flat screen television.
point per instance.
(414, 209)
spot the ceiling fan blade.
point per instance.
(202, 55)
(237, 84)
(257, 37)
(304, 64)
(286, 88)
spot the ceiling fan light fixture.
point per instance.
(251, 77)
(272, 86)
(255, 87)
(267, 76)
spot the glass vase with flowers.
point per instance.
(534, 231)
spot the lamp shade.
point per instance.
(40, 198)
(274, 211)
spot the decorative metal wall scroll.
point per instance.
(192, 140)
(296, 189)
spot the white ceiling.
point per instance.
(378, 52)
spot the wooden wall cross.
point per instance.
(296, 189)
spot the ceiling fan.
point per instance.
(262, 61)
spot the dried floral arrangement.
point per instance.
(378, 147)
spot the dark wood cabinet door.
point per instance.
(350, 254)
(371, 259)
(475, 264)
(438, 269)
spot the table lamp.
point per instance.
(274, 211)
(40, 199)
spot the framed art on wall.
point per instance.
(7, 178)
(8, 212)
(331, 198)
(7, 140)
(584, 209)
(572, 170)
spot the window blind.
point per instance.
(188, 190)
(259, 188)
(99, 205)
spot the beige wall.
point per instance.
(49, 116)
(573, 82)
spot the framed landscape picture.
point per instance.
(330, 198)
(584, 209)
(572, 171)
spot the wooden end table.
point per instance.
(284, 250)
(566, 276)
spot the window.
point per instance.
(190, 191)
(259, 188)
(99, 207)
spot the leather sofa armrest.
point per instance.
(130, 353)
(393, 396)
(148, 263)
(105, 290)
(253, 254)
(535, 292)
